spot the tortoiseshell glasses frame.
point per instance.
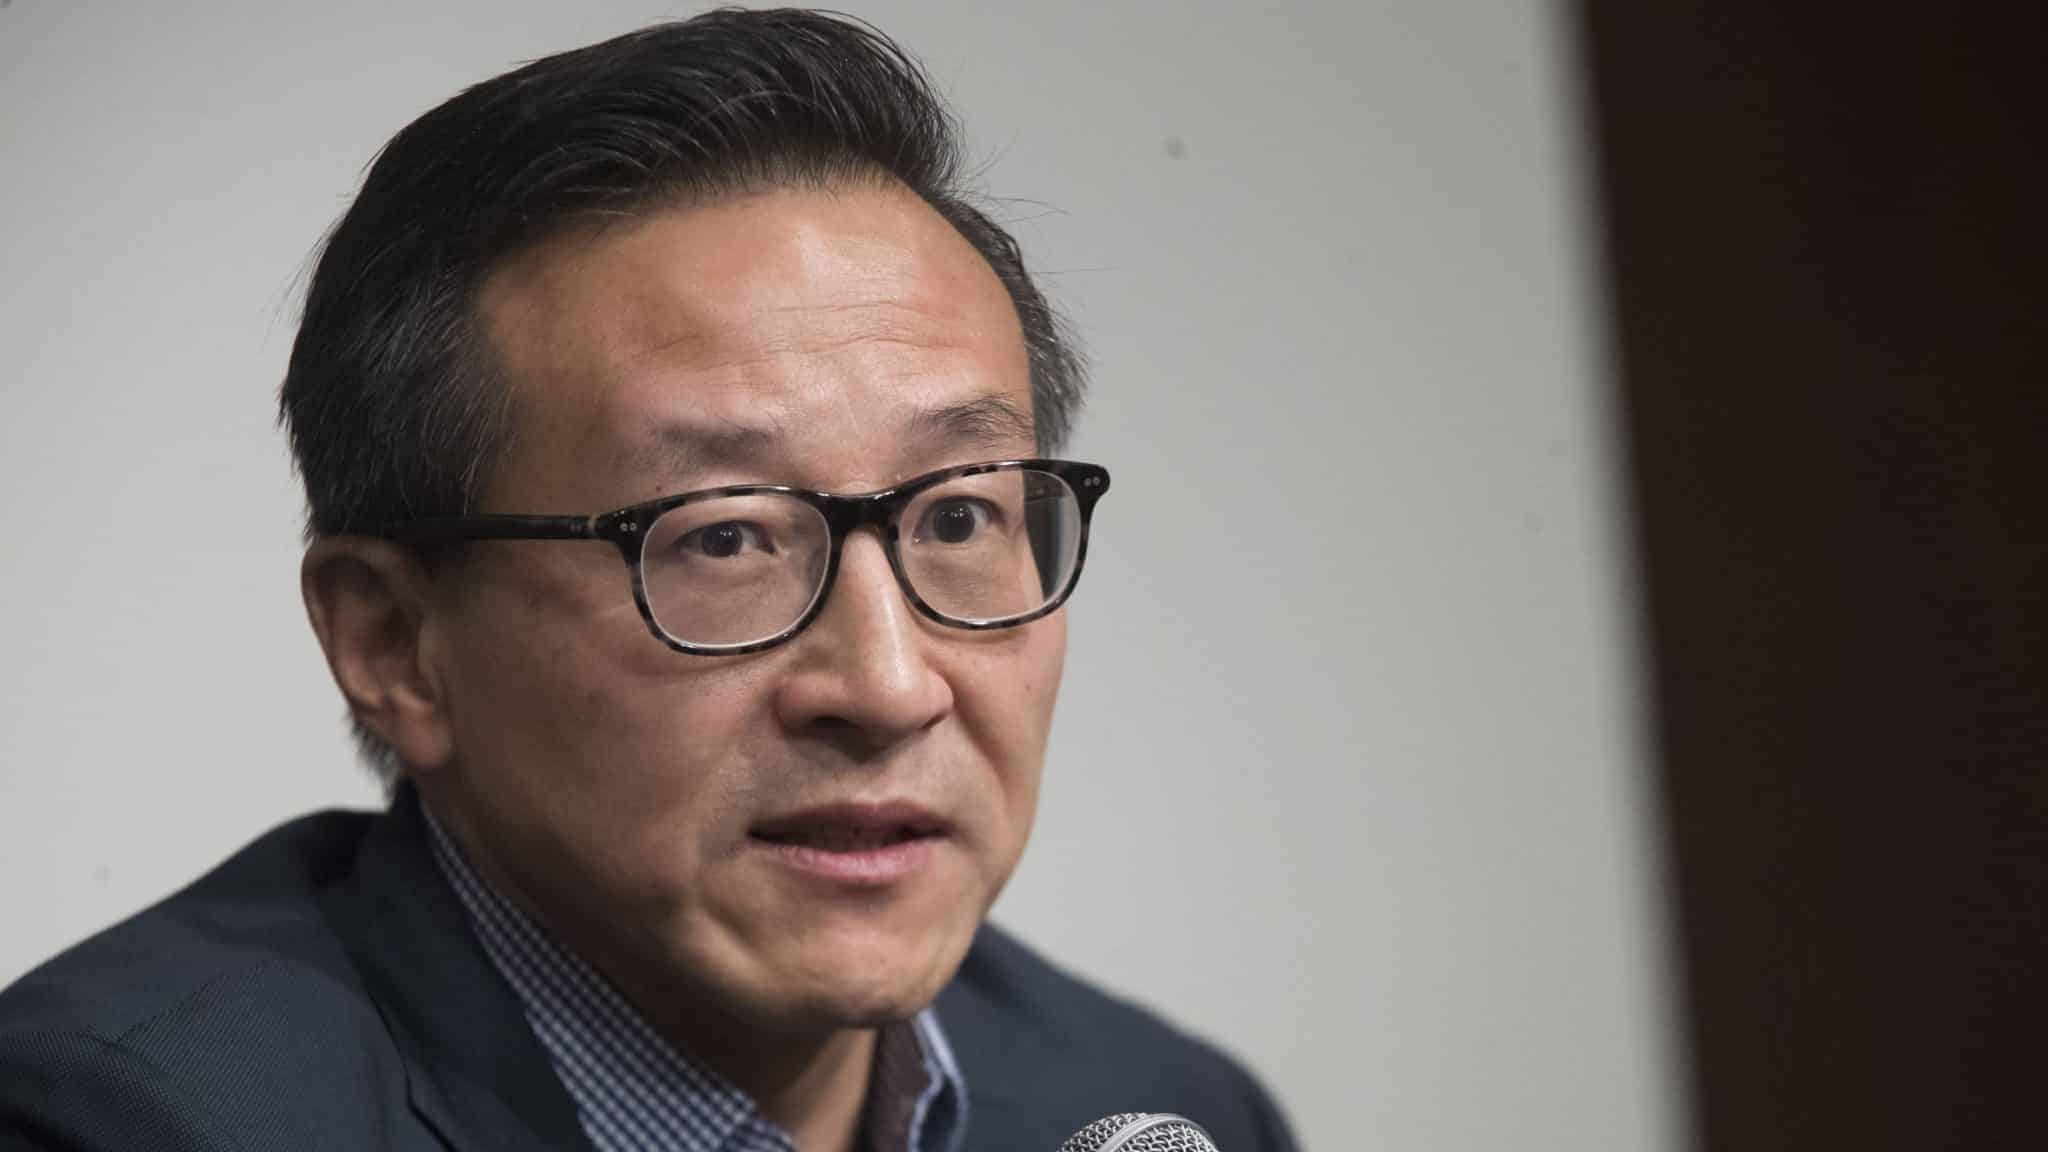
(628, 528)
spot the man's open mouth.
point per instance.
(843, 839)
(850, 828)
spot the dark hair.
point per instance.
(389, 399)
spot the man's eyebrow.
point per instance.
(676, 447)
(679, 447)
(991, 420)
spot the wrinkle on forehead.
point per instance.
(992, 422)
(799, 330)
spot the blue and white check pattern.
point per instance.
(636, 1093)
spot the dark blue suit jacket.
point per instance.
(322, 990)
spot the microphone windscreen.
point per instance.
(1140, 1132)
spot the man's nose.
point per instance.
(863, 665)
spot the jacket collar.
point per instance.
(474, 1070)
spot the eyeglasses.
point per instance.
(746, 567)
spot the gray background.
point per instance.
(1348, 772)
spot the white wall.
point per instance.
(1347, 772)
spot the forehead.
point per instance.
(840, 339)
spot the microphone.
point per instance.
(1140, 1132)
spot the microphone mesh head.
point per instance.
(1139, 1132)
(1094, 1136)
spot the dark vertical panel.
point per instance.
(1825, 237)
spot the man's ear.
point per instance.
(369, 601)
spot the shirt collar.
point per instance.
(633, 1090)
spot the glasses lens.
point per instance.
(993, 546)
(734, 569)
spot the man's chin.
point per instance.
(848, 984)
(845, 996)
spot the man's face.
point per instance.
(630, 794)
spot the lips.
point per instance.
(851, 828)
(861, 848)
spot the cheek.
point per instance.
(1007, 704)
(593, 741)
(521, 686)
(1034, 678)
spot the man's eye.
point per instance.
(955, 521)
(724, 540)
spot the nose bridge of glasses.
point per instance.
(875, 510)
(846, 515)
(866, 577)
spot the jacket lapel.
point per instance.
(1006, 1055)
(474, 1071)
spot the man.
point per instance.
(685, 543)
